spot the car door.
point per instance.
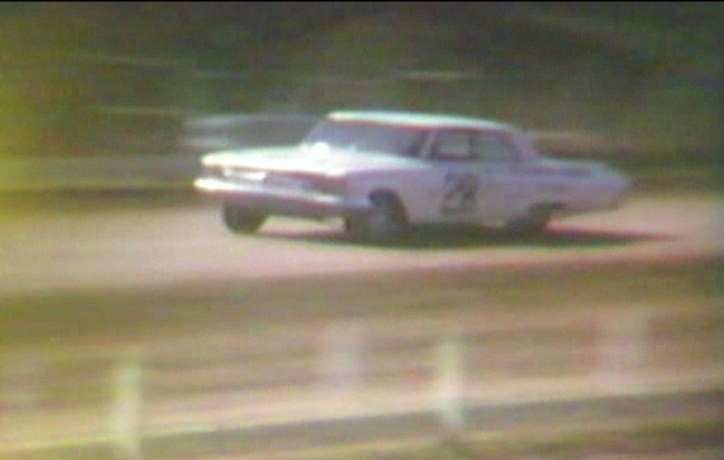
(460, 195)
(502, 191)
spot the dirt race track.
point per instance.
(75, 242)
(299, 343)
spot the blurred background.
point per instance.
(132, 325)
(117, 78)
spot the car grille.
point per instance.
(277, 180)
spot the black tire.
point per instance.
(241, 220)
(532, 223)
(386, 218)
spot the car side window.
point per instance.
(493, 147)
(452, 146)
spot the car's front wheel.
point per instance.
(386, 217)
(241, 220)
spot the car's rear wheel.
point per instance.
(533, 222)
(241, 220)
(385, 218)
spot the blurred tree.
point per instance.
(69, 70)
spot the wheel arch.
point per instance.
(387, 192)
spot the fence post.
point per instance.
(23, 379)
(449, 381)
(341, 360)
(624, 344)
(125, 415)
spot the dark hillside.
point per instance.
(120, 77)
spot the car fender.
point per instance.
(408, 187)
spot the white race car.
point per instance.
(384, 171)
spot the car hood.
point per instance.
(309, 160)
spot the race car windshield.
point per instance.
(396, 140)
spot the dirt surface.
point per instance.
(128, 241)
(238, 338)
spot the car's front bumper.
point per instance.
(281, 201)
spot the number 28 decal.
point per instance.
(461, 191)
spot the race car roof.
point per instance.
(427, 120)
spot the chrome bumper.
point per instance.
(279, 201)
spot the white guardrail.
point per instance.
(142, 171)
(347, 369)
